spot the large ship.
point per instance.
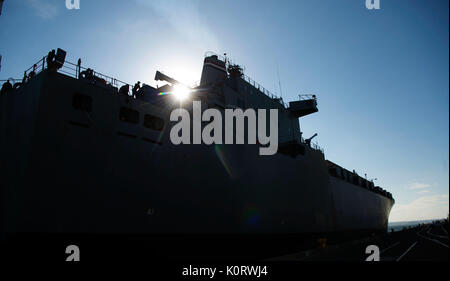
(84, 153)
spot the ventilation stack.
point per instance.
(214, 70)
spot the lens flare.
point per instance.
(180, 92)
(223, 160)
(252, 216)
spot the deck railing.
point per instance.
(249, 80)
(307, 97)
(264, 90)
(37, 67)
(73, 70)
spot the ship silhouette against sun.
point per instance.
(82, 153)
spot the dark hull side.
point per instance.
(68, 172)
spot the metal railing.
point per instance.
(264, 90)
(247, 79)
(37, 68)
(73, 70)
(307, 97)
(255, 84)
(317, 147)
(70, 70)
(220, 57)
(10, 79)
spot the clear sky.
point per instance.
(381, 76)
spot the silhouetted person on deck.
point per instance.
(90, 73)
(136, 87)
(78, 67)
(7, 86)
(32, 73)
(51, 59)
(25, 77)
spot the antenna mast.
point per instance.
(279, 82)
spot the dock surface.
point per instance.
(427, 242)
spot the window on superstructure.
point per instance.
(129, 115)
(153, 122)
(82, 102)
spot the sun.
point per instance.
(180, 92)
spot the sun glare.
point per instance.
(180, 92)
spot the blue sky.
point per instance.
(381, 76)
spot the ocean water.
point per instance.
(398, 226)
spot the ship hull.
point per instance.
(71, 172)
